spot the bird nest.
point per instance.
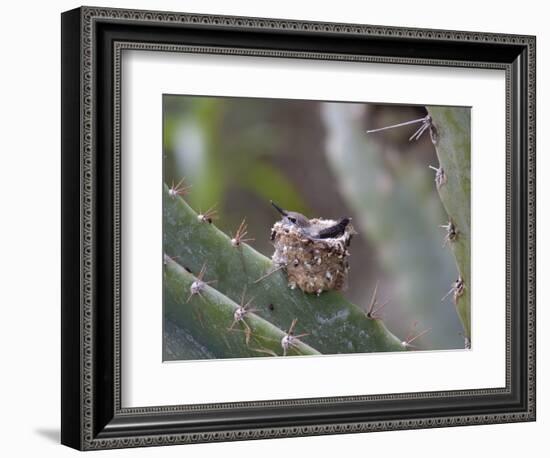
(314, 265)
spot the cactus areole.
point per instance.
(312, 264)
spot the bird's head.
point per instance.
(292, 217)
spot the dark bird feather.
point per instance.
(334, 231)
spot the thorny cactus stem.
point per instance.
(451, 126)
(211, 319)
(334, 324)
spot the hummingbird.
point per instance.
(305, 225)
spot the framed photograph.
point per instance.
(276, 228)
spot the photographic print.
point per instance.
(241, 192)
(303, 227)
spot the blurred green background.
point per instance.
(316, 158)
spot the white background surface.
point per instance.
(29, 229)
(148, 75)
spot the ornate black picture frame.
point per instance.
(92, 42)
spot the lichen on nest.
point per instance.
(312, 264)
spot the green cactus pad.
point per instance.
(333, 324)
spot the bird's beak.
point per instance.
(279, 209)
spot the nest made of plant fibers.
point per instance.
(313, 265)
